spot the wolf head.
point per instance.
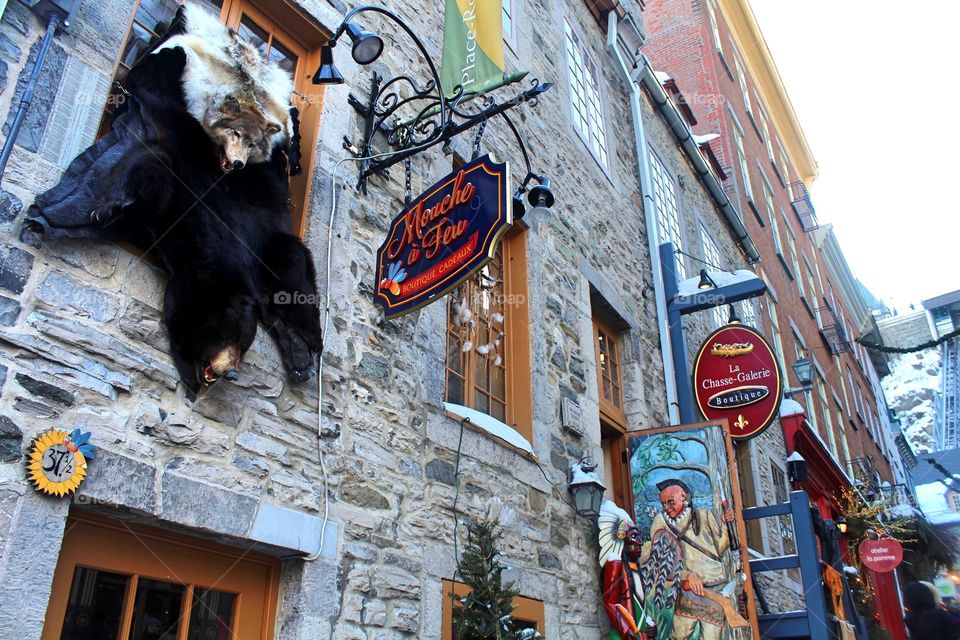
(241, 133)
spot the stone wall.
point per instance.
(82, 344)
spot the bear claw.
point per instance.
(302, 375)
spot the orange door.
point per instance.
(115, 580)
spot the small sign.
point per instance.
(443, 237)
(883, 555)
(571, 416)
(57, 462)
(735, 377)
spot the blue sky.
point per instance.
(874, 85)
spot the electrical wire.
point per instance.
(700, 260)
(326, 324)
(456, 498)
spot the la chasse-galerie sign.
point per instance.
(736, 377)
(443, 236)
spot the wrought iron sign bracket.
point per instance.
(414, 115)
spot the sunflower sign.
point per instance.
(57, 462)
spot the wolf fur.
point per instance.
(241, 98)
(155, 181)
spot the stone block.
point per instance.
(202, 506)
(360, 493)
(154, 366)
(41, 389)
(9, 311)
(61, 291)
(34, 125)
(11, 440)
(42, 347)
(15, 267)
(180, 430)
(294, 530)
(263, 446)
(395, 583)
(116, 479)
(95, 258)
(441, 471)
(10, 205)
(405, 616)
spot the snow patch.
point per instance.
(912, 390)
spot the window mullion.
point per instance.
(183, 628)
(126, 616)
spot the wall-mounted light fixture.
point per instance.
(586, 488)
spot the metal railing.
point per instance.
(803, 206)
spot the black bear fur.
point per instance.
(225, 238)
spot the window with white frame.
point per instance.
(748, 313)
(742, 159)
(777, 336)
(853, 391)
(812, 291)
(712, 14)
(843, 387)
(767, 197)
(587, 110)
(785, 171)
(668, 217)
(765, 127)
(711, 255)
(827, 420)
(507, 19)
(781, 494)
(742, 80)
(845, 463)
(792, 245)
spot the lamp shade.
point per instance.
(586, 489)
(327, 73)
(803, 369)
(367, 46)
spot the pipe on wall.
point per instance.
(650, 214)
(643, 73)
(52, 25)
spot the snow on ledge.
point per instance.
(491, 425)
(790, 407)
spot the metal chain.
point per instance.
(476, 140)
(408, 194)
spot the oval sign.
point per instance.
(735, 376)
(882, 556)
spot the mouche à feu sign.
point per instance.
(735, 376)
(443, 237)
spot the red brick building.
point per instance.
(715, 54)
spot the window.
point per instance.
(742, 160)
(711, 255)
(712, 15)
(768, 200)
(121, 580)
(527, 613)
(748, 313)
(955, 501)
(488, 344)
(609, 373)
(585, 96)
(279, 33)
(845, 463)
(742, 79)
(668, 217)
(812, 290)
(853, 391)
(792, 244)
(765, 127)
(827, 420)
(785, 172)
(507, 16)
(781, 494)
(777, 336)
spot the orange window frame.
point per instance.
(516, 356)
(611, 410)
(297, 32)
(525, 610)
(137, 551)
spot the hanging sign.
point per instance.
(735, 377)
(57, 462)
(443, 237)
(883, 555)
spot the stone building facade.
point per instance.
(239, 471)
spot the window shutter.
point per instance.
(76, 112)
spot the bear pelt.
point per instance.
(161, 180)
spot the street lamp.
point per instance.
(842, 524)
(803, 369)
(797, 467)
(586, 488)
(734, 318)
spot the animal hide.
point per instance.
(218, 222)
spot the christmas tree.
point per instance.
(484, 613)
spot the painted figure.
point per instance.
(623, 592)
(702, 607)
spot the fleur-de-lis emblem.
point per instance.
(741, 422)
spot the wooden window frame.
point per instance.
(300, 34)
(609, 412)
(524, 609)
(134, 550)
(516, 323)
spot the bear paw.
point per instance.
(298, 376)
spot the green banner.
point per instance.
(472, 45)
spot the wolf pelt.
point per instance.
(241, 99)
(155, 181)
